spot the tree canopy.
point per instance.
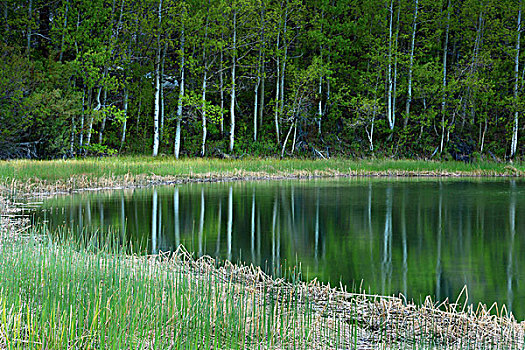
(402, 78)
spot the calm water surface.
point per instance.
(417, 237)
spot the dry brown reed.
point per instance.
(364, 321)
(14, 223)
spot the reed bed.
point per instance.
(56, 295)
(360, 320)
(65, 176)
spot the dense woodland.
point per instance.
(316, 78)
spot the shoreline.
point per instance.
(377, 321)
(36, 188)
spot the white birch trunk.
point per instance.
(514, 142)
(204, 129)
(411, 64)
(97, 108)
(320, 105)
(443, 102)
(162, 91)
(258, 82)
(221, 85)
(256, 105)
(394, 91)
(389, 76)
(283, 71)
(277, 90)
(263, 73)
(232, 104)
(181, 96)
(125, 123)
(204, 82)
(320, 87)
(156, 115)
(72, 139)
(103, 126)
(81, 136)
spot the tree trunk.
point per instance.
(221, 85)
(394, 91)
(204, 129)
(443, 102)
(72, 139)
(390, 117)
(181, 96)
(514, 142)
(263, 70)
(156, 116)
(97, 108)
(411, 64)
(103, 126)
(232, 104)
(285, 44)
(277, 90)
(125, 123)
(256, 105)
(256, 109)
(162, 91)
(81, 137)
(204, 82)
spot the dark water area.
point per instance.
(416, 237)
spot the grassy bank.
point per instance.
(63, 295)
(69, 175)
(60, 296)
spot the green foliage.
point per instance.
(98, 150)
(325, 66)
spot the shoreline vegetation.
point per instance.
(23, 177)
(61, 294)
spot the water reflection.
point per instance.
(413, 237)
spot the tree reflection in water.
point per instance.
(417, 237)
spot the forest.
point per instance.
(420, 79)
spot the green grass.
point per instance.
(93, 168)
(64, 295)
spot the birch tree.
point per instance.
(176, 149)
(233, 77)
(411, 63)
(156, 115)
(515, 124)
(444, 85)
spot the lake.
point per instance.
(417, 237)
